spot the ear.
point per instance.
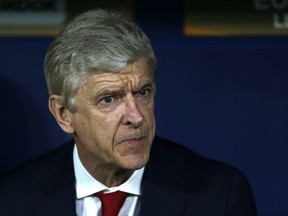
(62, 115)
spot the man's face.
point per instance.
(114, 124)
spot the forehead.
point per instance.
(132, 75)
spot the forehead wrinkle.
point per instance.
(114, 81)
(107, 86)
(130, 81)
(126, 80)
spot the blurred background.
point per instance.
(222, 81)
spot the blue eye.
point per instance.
(144, 92)
(107, 100)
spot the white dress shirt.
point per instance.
(87, 204)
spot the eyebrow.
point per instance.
(145, 85)
(105, 93)
(110, 91)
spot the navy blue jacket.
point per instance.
(176, 181)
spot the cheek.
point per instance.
(82, 129)
(107, 126)
(148, 112)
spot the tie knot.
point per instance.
(111, 202)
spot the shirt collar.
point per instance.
(87, 185)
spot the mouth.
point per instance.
(133, 140)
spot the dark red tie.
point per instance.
(111, 202)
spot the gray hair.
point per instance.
(96, 40)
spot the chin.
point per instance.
(135, 163)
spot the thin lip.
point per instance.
(132, 138)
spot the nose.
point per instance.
(132, 116)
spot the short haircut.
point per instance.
(95, 41)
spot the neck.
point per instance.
(107, 175)
(113, 178)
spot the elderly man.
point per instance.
(100, 77)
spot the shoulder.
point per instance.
(180, 155)
(33, 183)
(26, 177)
(209, 186)
(183, 166)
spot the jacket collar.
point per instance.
(58, 204)
(160, 196)
(158, 200)
(57, 187)
(55, 182)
